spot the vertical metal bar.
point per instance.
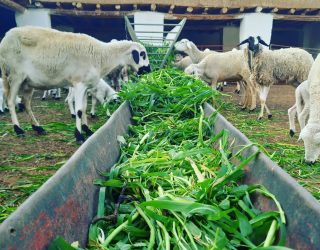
(132, 33)
(172, 44)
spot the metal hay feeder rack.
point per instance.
(158, 48)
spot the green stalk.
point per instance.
(166, 235)
(118, 230)
(151, 226)
(186, 229)
(270, 236)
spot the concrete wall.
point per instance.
(256, 24)
(230, 37)
(34, 17)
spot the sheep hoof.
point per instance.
(93, 116)
(21, 107)
(73, 116)
(252, 110)
(87, 130)
(237, 92)
(43, 98)
(269, 116)
(243, 108)
(259, 118)
(18, 130)
(6, 109)
(57, 98)
(291, 133)
(39, 130)
(1, 112)
(221, 89)
(79, 137)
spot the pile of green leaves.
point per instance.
(177, 181)
(156, 54)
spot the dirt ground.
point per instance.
(27, 162)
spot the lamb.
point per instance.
(216, 68)
(55, 93)
(301, 107)
(291, 65)
(310, 134)
(116, 76)
(3, 106)
(102, 93)
(43, 58)
(182, 62)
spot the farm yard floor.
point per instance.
(273, 135)
(27, 162)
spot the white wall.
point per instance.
(230, 37)
(256, 24)
(149, 17)
(34, 17)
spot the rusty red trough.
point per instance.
(67, 202)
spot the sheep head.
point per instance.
(254, 44)
(183, 45)
(311, 138)
(138, 59)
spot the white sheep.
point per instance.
(3, 105)
(191, 50)
(291, 65)
(44, 58)
(301, 108)
(103, 92)
(216, 67)
(310, 134)
(55, 93)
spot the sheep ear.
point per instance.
(243, 42)
(262, 42)
(136, 56)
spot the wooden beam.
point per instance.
(153, 7)
(58, 4)
(224, 10)
(98, 6)
(205, 11)
(79, 5)
(111, 14)
(292, 11)
(274, 10)
(241, 9)
(117, 7)
(258, 9)
(11, 5)
(189, 9)
(232, 4)
(171, 8)
(135, 6)
(38, 4)
(305, 12)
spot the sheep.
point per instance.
(43, 58)
(191, 50)
(3, 106)
(310, 134)
(116, 76)
(102, 92)
(301, 107)
(55, 93)
(291, 65)
(182, 62)
(216, 67)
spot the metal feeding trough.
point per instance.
(66, 204)
(158, 47)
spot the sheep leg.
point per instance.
(58, 94)
(243, 95)
(93, 106)
(237, 91)
(303, 115)
(292, 114)
(45, 93)
(1, 104)
(264, 91)
(85, 127)
(79, 92)
(253, 98)
(27, 96)
(70, 100)
(13, 91)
